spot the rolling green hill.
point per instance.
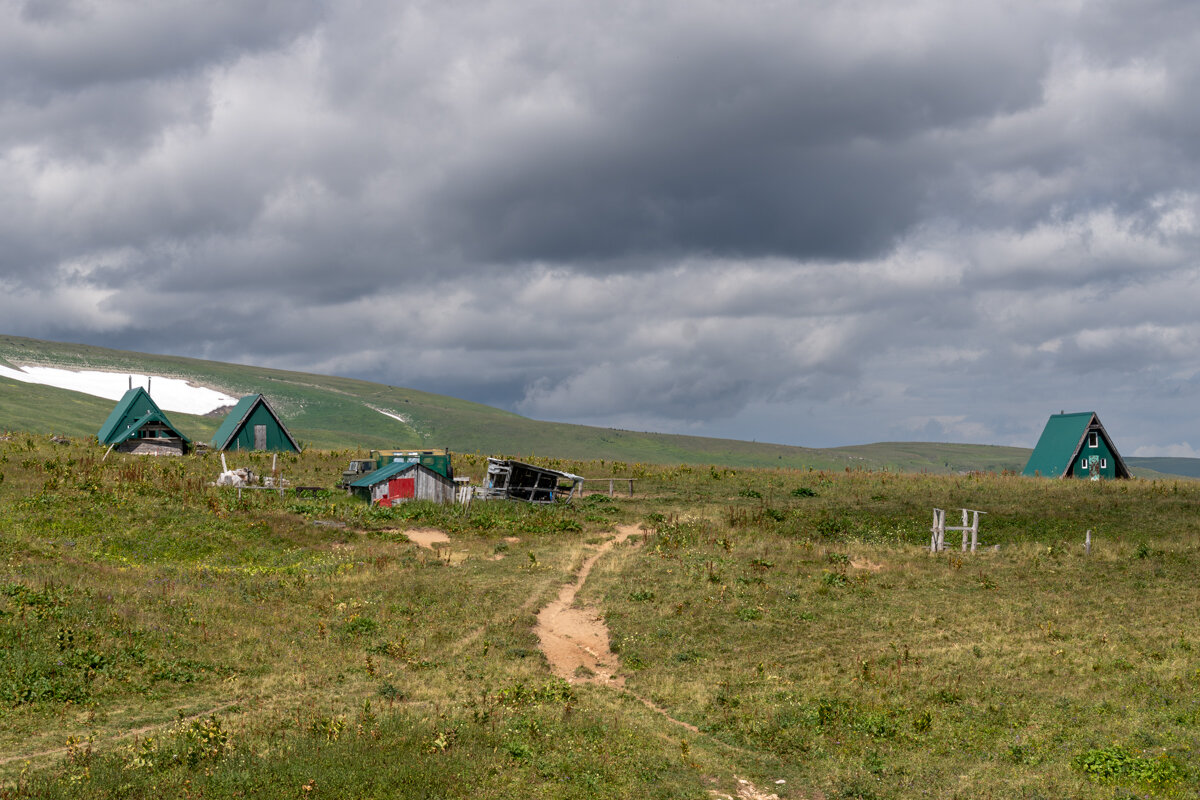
(343, 413)
(1186, 467)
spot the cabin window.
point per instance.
(1104, 463)
(1083, 464)
(1093, 439)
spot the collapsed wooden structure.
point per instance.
(516, 480)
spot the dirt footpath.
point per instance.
(575, 640)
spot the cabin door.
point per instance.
(260, 437)
(402, 489)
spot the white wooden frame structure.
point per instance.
(938, 542)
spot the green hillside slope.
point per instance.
(344, 413)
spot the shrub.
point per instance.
(1115, 764)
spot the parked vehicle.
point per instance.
(358, 467)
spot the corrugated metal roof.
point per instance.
(568, 475)
(123, 409)
(385, 472)
(1060, 441)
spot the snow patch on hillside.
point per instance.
(393, 415)
(171, 394)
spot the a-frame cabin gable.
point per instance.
(1067, 444)
(1097, 442)
(253, 425)
(133, 405)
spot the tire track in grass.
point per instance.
(119, 736)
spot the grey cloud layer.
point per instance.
(879, 220)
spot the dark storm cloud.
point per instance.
(767, 142)
(69, 45)
(812, 222)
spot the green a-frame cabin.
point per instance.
(253, 425)
(1075, 446)
(137, 425)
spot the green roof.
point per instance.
(1061, 442)
(383, 473)
(132, 411)
(234, 434)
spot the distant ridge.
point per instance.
(1186, 467)
(336, 413)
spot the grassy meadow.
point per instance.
(162, 638)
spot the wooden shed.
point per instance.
(400, 482)
(137, 425)
(1075, 446)
(253, 425)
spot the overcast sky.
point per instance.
(803, 222)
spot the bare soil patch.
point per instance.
(435, 540)
(745, 791)
(575, 640)
(426, 537)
